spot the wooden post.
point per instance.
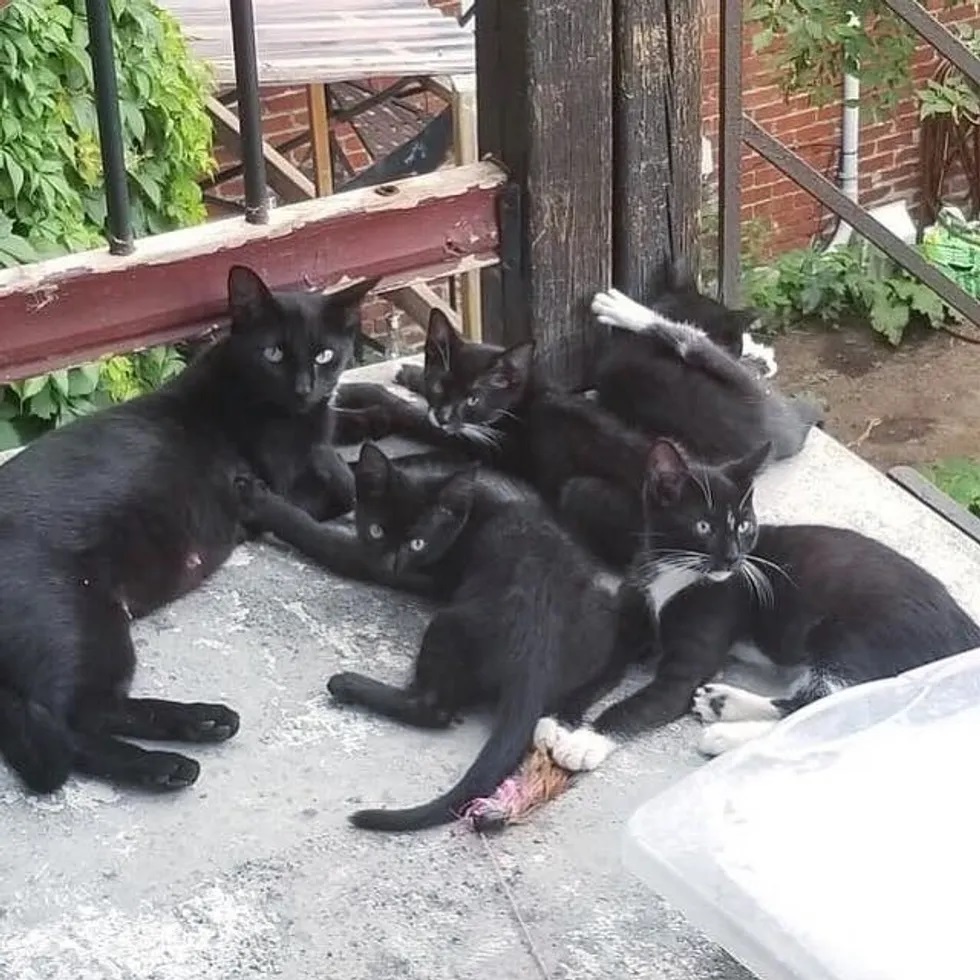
(657, 128)
(465, 151)
(316, 101)
(547, 68)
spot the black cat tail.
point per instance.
(518, 713)
(36, 744)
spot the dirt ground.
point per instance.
(916, 404)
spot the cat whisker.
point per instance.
(755, 559)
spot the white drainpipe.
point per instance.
(849, 145)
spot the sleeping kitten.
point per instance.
(830, 606)
(123, 511)
(676, 369)
(529, 623)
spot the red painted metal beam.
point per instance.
(77, 307)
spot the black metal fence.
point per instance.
(737, 128)
(119, 228)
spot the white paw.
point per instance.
(617, 310)
(727, 735)
(722, 702)
(582, 750)
(547, 733)
(760, 352)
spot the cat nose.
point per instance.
(304, 384)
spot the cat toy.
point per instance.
(539, 780)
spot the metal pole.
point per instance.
(730, 155)
(249, 111)
(120, 227)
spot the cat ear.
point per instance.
(456, 497)
(441, 340)
(348, 300)
(371, 472)
(512, 368)
(248, 296)
(744, 470)
(667, 471)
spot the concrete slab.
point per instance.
(254, 871)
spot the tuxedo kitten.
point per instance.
(668, 375)
(830, 607)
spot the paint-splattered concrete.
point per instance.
(254, 871)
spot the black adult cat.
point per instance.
(121, 512)
(529, 623)
(674, 369)
(835, 606)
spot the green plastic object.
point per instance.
(953, 245)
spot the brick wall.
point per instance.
(889, 150)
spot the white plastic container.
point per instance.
(845, 845)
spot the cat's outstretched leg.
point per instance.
(157, 720)
(409, 705)
(412, 377)
(128, 765)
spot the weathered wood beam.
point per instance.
(419, 302)
(548, 67)
(76, 307)
(318, 111)
(657, 138)
(289, 182)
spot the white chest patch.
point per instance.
(667, 585)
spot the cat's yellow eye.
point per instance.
(703, 527)
(416, 544)
(472, 400)
(376, 532)
(745, 527)
(325, 356)
(272, 354)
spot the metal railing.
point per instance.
(119, 227)
(738, 128)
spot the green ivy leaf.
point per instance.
(43, 404)
(889, 318)
(32, 386)
(60, 381)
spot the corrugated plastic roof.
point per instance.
(302, 41)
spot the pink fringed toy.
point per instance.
(539, 780)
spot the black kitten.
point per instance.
(529, 623)
(121, 512)
(488, 403)
(674, 369)
(832, 607)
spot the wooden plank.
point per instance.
(548, 66)
(465, 151)
(316, 100)
(419, 302)
(70, 309)
(657, 141)
(289, 182)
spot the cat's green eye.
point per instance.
(472, 400)
(376, 532)
(703, 527)
(272, 354)
(416, 544)
(325, 356)
(744, 527)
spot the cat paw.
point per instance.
(724, 736)
(761, 354)
(166, 771)
(410, 376)
(547, 733)
(722, 702)
(615, 309)
(343, 687)
(582, 750)
(709, 702)
(208, 723)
